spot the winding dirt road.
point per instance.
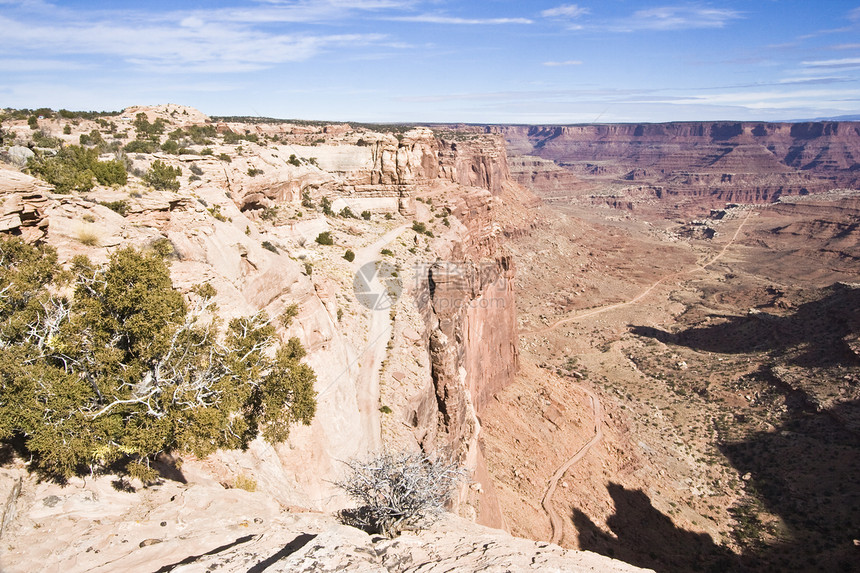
(597, 409)
(641, 295)
(546, 502)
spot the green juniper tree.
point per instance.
(109, 366)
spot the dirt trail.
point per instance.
(641, 295)
(546, 502)
(555, 519)
(379, 331)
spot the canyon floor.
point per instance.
(726, 389)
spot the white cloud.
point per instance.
(188, 44)
(565, 11)
(440, 19)
(839, 63)
(678, 18)
(854, 14)
(564, 63)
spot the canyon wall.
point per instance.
(722, 161)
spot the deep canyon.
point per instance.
(641, 341)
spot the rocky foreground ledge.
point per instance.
(92, 525)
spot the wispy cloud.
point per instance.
(565, 11)
(564, 63)
(178, 42)
(678, 18)
(838, 63)
(442, 19)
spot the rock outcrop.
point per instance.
(93, 526)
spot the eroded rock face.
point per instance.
(719, 161)
(216, 226)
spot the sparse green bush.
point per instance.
(269, 246)
(347, 213)
(294, 160)
(74, 167)
(140, 146)
(325, 205)
(224, 157)
(349, 255)
(42, 139)
(270, 213)
(289, 314)
(253, 172)
(325, 238)
(125, 369)
(162, 176)
(419, 227)
(365, 215)
(388, 252)
(120, 207)
(307, 202)
(195, 169)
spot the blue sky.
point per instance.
(499, 61)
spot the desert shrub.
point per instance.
(120, 207)
(253, 172)
(42, 139)
(74, 167)
(269, 246)
(349, 255)
(325, 205)
(145, 128)
(195, 169)
(110, 172)
(307, 202)
(88, 237)
(398, 491)
(33, 122)
(419, 227)
(215, 211)
(293, 160)
(140, 146)
(162, 176)
(289, 314)
(92, 138)
(325, 238)
(224, 157)
(347, 213)
(245, 482)
(365, 215)
(67, 129)
(126, 368)
(170, 146)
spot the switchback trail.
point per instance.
(643, 294)
(597, 409)
(546, 502)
